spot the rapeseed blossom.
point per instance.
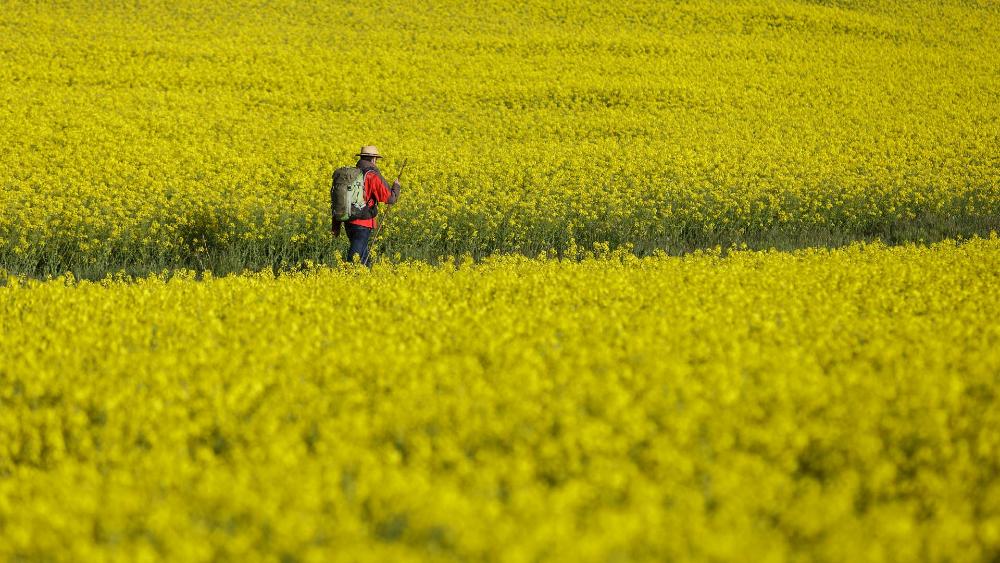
(204, 135)
(819, 405)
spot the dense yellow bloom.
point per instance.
(162, 132)
(825, 405)
(831, 405)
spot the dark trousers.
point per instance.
(359, 237)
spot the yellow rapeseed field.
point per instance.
(155, 134)
(531, 375)
(756, 406)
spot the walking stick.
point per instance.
(378, 229)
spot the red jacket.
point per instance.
(376, 190)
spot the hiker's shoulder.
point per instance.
(374, 172)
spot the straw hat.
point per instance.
(369, 150)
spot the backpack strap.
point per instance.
(371, 201)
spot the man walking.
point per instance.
(376, 189)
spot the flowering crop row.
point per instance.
(818, 405)
(204, 134)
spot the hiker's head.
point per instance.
(369, 153)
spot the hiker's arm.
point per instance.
(394, 192)
(383, 192)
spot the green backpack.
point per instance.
(348, 195)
